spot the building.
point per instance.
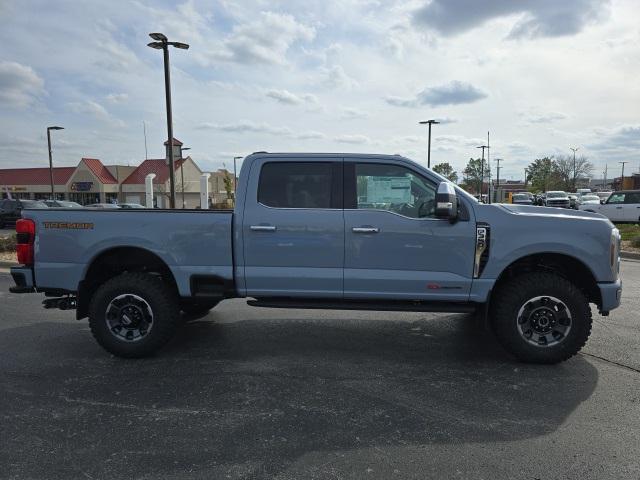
(93, 182)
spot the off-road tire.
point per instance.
(514, 293)
(156, 293)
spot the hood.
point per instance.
(548, 212)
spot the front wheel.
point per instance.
(541, 317)
(133, 315)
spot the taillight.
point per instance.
(25, 238)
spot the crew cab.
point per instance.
(622, 206)
(331, 231)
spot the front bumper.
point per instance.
(23, 278)
(611, 294)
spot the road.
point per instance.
(259, 393)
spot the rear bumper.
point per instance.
(23, 279)
(611, 294)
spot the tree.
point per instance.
(446, 170)
(228, 183)
(570, 172)
(543, 175)
(475, 174)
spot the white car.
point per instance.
(623, 206)
(588, 199)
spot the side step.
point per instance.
(377, 305)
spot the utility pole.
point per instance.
(482, 170)
(525, 178)
(574, 150)
(429, 122)
(622, 179)
(488, 164)
(604, 184)
(53, 194)
(498, 160)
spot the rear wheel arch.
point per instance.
(115, 261)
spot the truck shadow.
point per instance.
(255, 396)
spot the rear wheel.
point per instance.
(541, 318)
(133, 315)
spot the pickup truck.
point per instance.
(331, 231)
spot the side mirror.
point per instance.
(446, 202)
(601, 202)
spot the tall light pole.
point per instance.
(235, 178)
(574, 150)
(53, 193)
(498, 160)
(429, 122)
(482, 170)
(182, 174)
(622, 179)
(162, 43)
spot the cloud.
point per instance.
(117, 97)
(544, 117)
(94, 109)
(537, 18)
(350, 113)
(263, 41)
(247, 126)
(623, 140)
(335, 77)
(354, 139)
(20, 85)
(452, 93)
(288, 98)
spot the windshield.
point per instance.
(32, 204)
(556, 194)
(521, 196)
(586, 198)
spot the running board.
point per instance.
(389, 305)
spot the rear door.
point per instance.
(293, 228)
(632, 207)
(395, 247)
(613, 209)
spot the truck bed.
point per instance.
(190, 242)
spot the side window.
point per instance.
(616, 198)
(296, 185)
(395, 189)
(632, 197)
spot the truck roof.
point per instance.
(325, 155)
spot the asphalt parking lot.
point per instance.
(259, 393)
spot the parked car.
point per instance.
(521, 199)
(589, 199)
(583, 191)
(557, 199)
(333, 231)
(603, 196)
(62, 204)
(130, 205)
(103, 206)
(573, 198)
(11, 210)
(623, 206)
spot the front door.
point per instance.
(614, 208)
(395, 248)
(293, 230)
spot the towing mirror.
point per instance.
(447, 202)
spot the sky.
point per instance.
(326, 76)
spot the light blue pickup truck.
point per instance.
(331, 231)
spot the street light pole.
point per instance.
(498, 160)
(162, 43)
(574, 150)
(482, 170)
(53, 194)
(182, 174)
(429, 122)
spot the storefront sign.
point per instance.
(81, 186)
(17, 189)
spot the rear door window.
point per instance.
(632, 197)
(298, 185)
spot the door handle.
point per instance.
(263, 228)
(365, 230)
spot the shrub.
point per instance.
(635, 242)
(8, 244)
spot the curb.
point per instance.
(630, 255)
